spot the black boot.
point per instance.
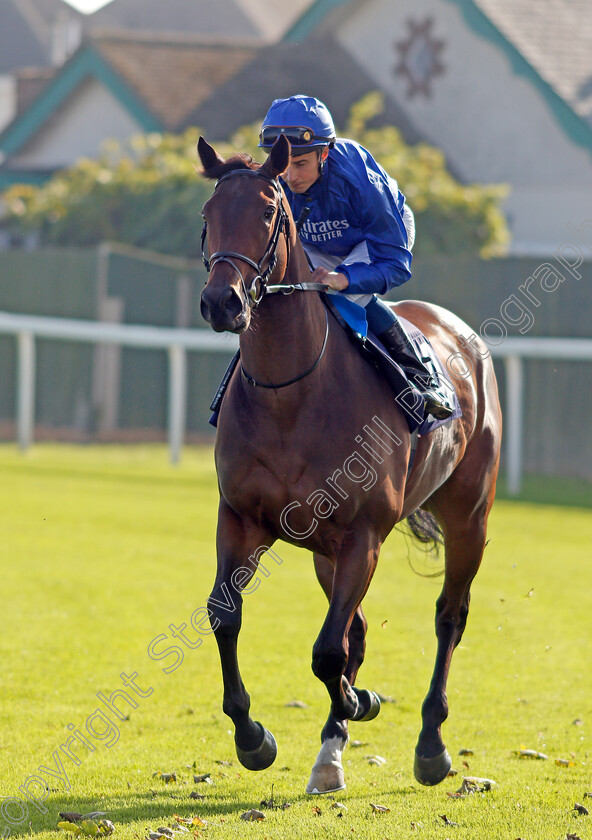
(403, 351)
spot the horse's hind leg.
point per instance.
(238, 549)
(464, 539)
(327, 772)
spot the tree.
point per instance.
(148, 193)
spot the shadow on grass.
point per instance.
(158, 807)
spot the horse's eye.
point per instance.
(269, 213)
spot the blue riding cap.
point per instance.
(304, 120)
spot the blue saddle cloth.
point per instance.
(355, 318)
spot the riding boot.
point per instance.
(402, 349)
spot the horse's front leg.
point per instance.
(337, 656)
(239, 547)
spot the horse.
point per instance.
(299, 457)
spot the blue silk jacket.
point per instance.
(356, 201)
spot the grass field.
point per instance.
(103, 548)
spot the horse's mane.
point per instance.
(238, 161)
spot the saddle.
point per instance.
(352, 318)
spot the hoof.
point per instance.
(262, 756)
(431, 771)
(326, 778)
(369, 700)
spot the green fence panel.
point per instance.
(55, 282)
(63, 282)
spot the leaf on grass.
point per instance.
(183, 821)
(316, 810)
(204, 777)
(167, 778)
(577, 722)
(523, 753)
(572, 837)
(472, 784)
(565, 762)
(296, 704)
(377, 760)
(530, 592)
(445, 819)
(356, 744)
(581, 809)
(384, 623)
(195, 795)
(224, 763)
(466, 752)
(452, 772)
(339, 805)
(379, 809)
(588, 794)
(253, 815)
(69, 826)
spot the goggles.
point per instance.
(298, 135)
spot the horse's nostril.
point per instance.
(221, 308)
(204, 308)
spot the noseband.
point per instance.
(282, 223)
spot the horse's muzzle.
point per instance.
(224, 311)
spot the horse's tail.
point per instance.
(425, 529)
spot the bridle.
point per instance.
(282, 223)
(252, 296)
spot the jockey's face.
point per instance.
(304, 170)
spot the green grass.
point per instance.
(103, 548)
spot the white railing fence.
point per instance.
(179, 342)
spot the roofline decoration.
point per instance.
(574, 126)
(86, 63)
(311, 18)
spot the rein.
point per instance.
(256, 384)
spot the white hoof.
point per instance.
(327, 773)
(326, 778)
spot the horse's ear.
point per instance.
(208, 155)
(279, 157)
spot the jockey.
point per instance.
(359, 232)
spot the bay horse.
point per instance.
(293, 464)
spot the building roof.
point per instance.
(171, 75)
(550, 40)
(44, 32)
(555, 37)
(159, 81)
(22, 37)
(317, 67)
(193, 17)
